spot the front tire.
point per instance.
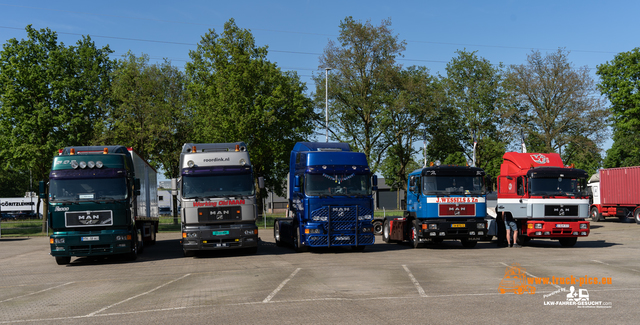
(134, 250)
(568, 242)
(595, 215)
(636, 215)
(414, 234)
(63, 260)
(298, 246)
(385, 232)
(276, 233)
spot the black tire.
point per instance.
(385, 232)
(153, 234)
(359, 248)
(568, 242)
(414, 234)
(636, 215)
(133, 255)
(140, 241)
(378, 225)
(276, 233)
(297, 242)
(522, 239)
(468, 243)
(595, 215)
(63, 260)
(188, 253)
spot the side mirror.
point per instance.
(42, 190)
(261, 182)
(412, 181)
(296, 183)
(374, 180)
(174, 186)
(136, 186)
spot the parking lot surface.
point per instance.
(387, 283)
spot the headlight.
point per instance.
(83, 164)
(584, 226)
(481, 225)
(312, 231)
(99, 164)
(189, 235)
(433, 226)
(242, 162)
(472, 233)
(57, 241)
(367, 217)
(368, 229)
(538, 226)
(74, 164)
(91, 164)
(190, 163)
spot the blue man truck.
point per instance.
(443, 203)
(330, 198)
(102, 201)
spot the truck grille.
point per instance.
(341, 226)
(89, 249)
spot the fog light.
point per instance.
(481, 225)
(546, 233)
(538, 226)
(365, 229)
(249, 239)
(584, 226)
(121, 245)
(538, 233)
(472, 233)
(575, 233)
(441, 233)
(433, 226)
(480, 233)
(433, 233)
(584, 233)
(59, 248)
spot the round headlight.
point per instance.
(243, 162)
(99, 164)
(91, 164)
(190, 163)
(74, 164)
(83, 164)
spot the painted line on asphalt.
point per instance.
(269, 297)
(33, 293)
(136, 296)
(415, 282)
(622, 267)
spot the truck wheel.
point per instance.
(188, 253)
(468, 243)
(523, 240)
(298, 246)
(134, 250)
(140, 241)
(153, 234)
(385, 232)
(595, 215)
(414, 235)
(377, 227)
(276, 233)
(636, 215)
(568, 242)
(63, 260)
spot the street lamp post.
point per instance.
(326, 102)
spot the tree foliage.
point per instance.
(558, 103)
(148, 111)
(52, 96)
(362, 85)
(238, 95)
(620, 84)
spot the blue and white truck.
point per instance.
(443, 203)
(330, 198)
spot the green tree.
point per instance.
(557, 102)
(619, 83)
(361, 86)
(52, 96)
(238, 95)
(474, 89)
(148, 111)
(588, 159)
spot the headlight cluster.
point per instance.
(85, 164)
(56, 241)
(367, 217)
(538, 226)
(313, 231)
(123, 237)
(318, 218)
(584, 226)
(189, 235)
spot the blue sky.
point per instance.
(298, 31)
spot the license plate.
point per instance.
(343, 238)
(220, 233)
(457, 225)
(562, 225)
(90, 238)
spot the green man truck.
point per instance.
(102, 200)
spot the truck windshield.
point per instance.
(348, 184)
(558, 186)
(453, 185)
(91, 189)
(217, 185)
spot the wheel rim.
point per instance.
(414, 234)
(637, 215)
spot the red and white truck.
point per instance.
(616, 193)
(544, 197)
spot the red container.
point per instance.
(620, 186)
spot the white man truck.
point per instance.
(217, 197)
